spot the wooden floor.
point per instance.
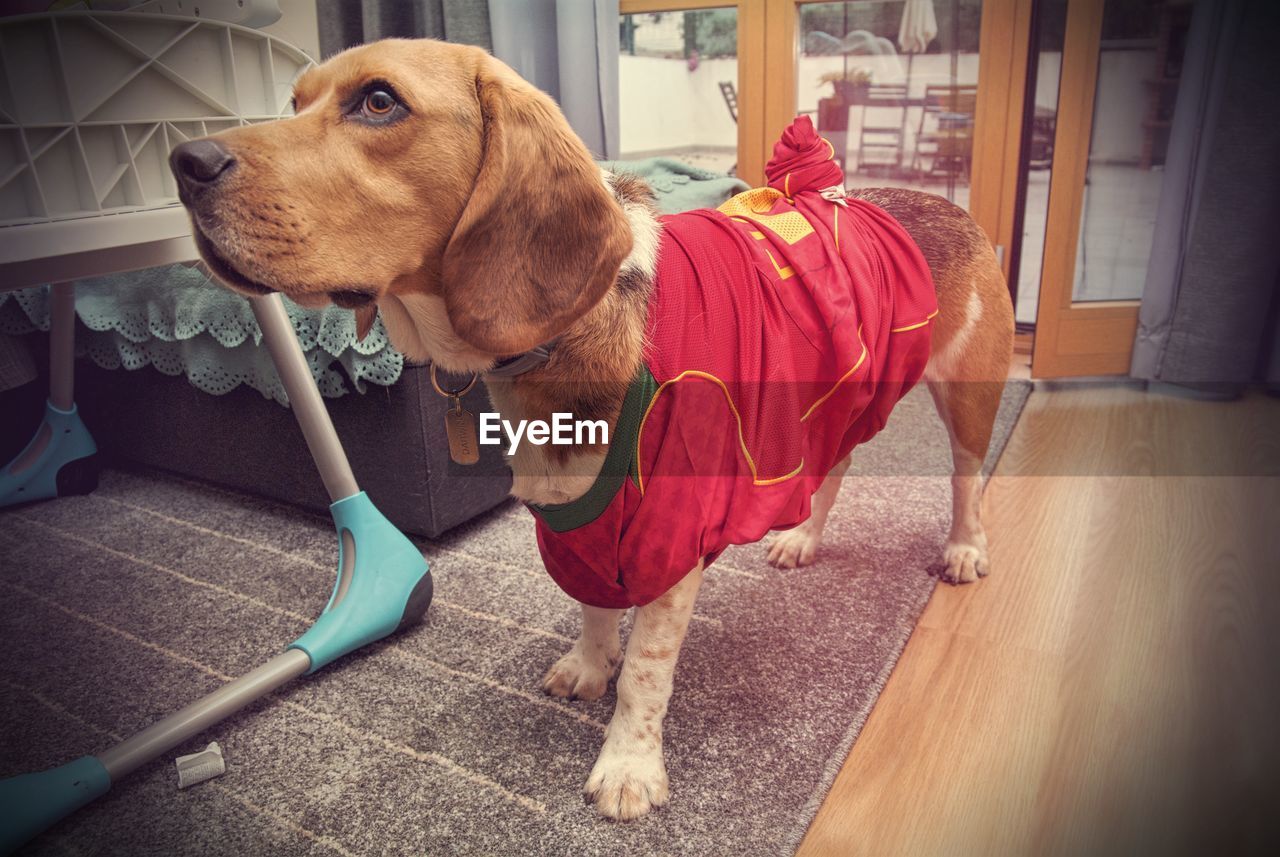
(1112, 687)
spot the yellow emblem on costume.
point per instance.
(753, 206)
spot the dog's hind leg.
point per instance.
(966, 377)
(584, 671)
(799, 545)
(972, 340)
(630, 777)
(968, 408)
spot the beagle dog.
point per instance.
(427, 181)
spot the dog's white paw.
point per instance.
(795, 547)
(965, 562)
(579, 675)
(628, 782)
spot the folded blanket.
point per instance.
(679, 186)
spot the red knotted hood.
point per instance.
(802, 161)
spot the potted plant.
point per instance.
(850, 86)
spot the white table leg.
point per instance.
(62, 346)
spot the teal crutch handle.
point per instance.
(385, 586)
(31, 803)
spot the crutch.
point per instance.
(383, 584)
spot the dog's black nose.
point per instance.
(200, 163)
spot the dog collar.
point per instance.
(459, 423)
(507, 367)
(510, 367)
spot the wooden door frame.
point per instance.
(1076, 338)
(1004, 43)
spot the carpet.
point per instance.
(119, 607)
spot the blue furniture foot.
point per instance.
(33, 802)
(66, 464)
(384, 584)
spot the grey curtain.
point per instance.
(566, 48)
(343, 23)
(1208, 315)
(569, 49)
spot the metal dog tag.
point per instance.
(460, 427)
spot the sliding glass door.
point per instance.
(1114, 67)
(894, 86)
(911, 93)
(678, 84)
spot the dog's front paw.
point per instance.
(965, 562)
(579, 676)
(627, 783)
(794, 548)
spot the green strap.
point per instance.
(618, 461)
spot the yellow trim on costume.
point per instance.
(829, 146)
(742, 441)
(928, 319)
(786, 186)
(775, 480)
(837, 384)
(785, 273)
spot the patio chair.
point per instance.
(883, 133)
(730, 93)
(945, 134)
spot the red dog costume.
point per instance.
(782, 330)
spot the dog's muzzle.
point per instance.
(199, 166)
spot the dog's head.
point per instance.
(412, 168)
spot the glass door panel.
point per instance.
(678, 83)
(1139, 60)
(1119, 78)
(893, 84)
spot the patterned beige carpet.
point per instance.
(119, 607)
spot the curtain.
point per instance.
(1208, 315)
(569, 49)
(566, 48)
(344, 23)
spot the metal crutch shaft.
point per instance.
(384, 584)
(304, 397)
(33, 802)
(163, 735)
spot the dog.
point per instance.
(429, 182)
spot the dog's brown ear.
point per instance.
(541, 238)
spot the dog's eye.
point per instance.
(379, 103)
(376, 105)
